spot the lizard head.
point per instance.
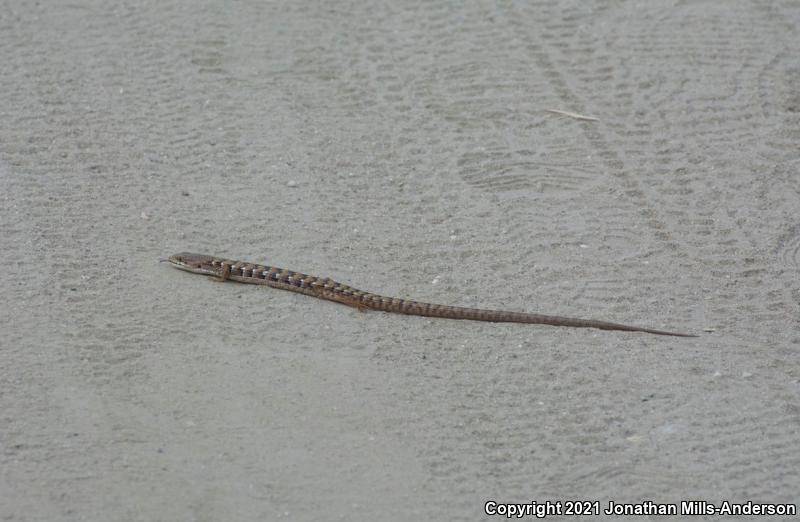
(197, 263)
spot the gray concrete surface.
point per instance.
(405, 148)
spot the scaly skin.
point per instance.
(325, 288)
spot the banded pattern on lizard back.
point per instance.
(326, 288)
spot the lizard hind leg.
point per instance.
(349, 300)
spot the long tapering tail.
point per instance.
(403, 306)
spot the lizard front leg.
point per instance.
(223, 274)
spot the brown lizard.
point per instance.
(325, 288)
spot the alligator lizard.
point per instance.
(325, 288)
